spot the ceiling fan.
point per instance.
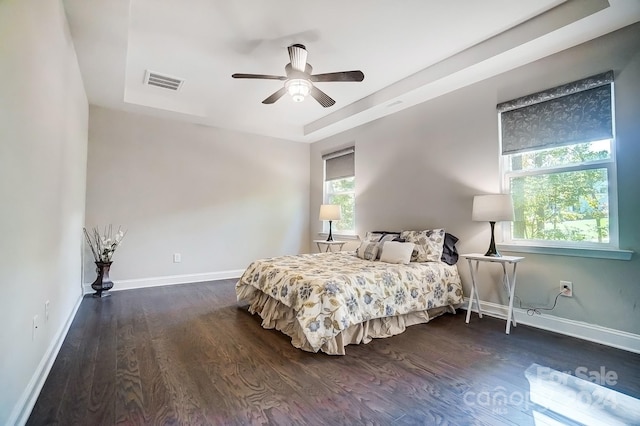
(299, 80)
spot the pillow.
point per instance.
(380, 237)
(383, 233)
(388, 236)
(449, 251)
(373, 236)
(396, 252)
(429, 244)
(367, 250)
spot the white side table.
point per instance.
(328, 245)
(509, 283)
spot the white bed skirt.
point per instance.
(283, 318)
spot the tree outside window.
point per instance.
(342, 192)
(561, 194)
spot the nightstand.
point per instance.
(509, 283)
(328, 245)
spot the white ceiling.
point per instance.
(410, 51)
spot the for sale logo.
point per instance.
(600, 377)
(498, 399)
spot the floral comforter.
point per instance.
(331, 291)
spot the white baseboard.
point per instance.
(22, 409)
(168, 280)
(582, 330)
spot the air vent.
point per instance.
(154, 79)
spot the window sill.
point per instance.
(614, 254)
(341, 237)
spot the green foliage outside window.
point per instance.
(561, 194)
(342, 192)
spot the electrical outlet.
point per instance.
(36, 324)
(46, 311)
(566, 288)
(177, 258)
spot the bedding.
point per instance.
(325, 301)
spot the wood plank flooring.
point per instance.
(192, 355)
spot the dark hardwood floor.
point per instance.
(191, 355)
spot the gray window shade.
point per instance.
(339, 164)
(576, 112)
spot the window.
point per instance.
(558, 162)
(339, 188)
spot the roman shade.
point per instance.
(339, 164)
(572, 113)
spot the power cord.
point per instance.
(532, 310)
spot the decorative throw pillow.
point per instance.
(372, 236)
(386, 237)
(396, 252)
(449, 250)
(379, 236)
(367, 250)
(428, 243)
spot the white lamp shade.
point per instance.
(330, 212)
(492, 208)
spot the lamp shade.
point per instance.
(492, 208)
(330, 212)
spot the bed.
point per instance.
(326, 301)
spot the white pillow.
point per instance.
(396, 252)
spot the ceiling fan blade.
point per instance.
(298, 57)
(271, 99)
(338, 76)
(260, 76)
(322, 98)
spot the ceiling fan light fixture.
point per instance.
(298, 88)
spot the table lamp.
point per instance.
(492, 208)
(330, 212)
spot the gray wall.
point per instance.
(43, 148)
(222, 199)
(421, 167)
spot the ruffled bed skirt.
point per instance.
(283, 318)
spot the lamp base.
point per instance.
(493, 251)
(330, 237)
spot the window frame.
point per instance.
(600, 127)
(612, 193)
(326, 194)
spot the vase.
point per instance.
(102, 283)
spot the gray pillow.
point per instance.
(449, 250)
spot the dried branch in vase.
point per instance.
(103, 245)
